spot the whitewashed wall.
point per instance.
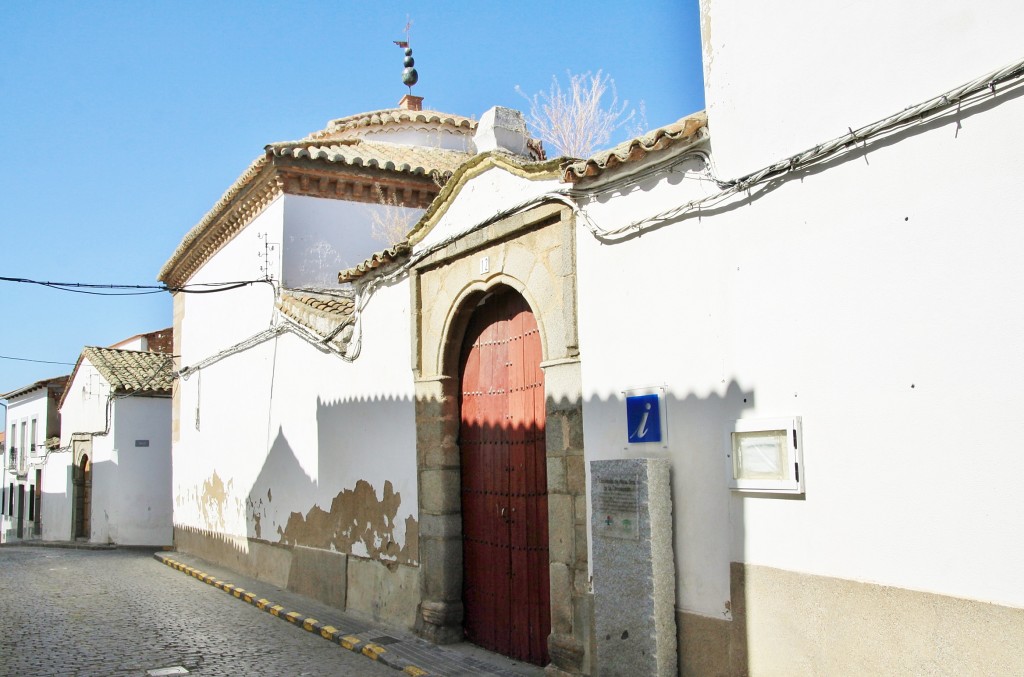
(133, 343)
(322, 237)
(22, 410)
(223, 319)
(38, 405)
(281, 427)
(84, 409)
(780, 78)
(411, 136)
(480, 199)
(57, 498)
(877, 299)
(131, 485)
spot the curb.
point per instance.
(328, 632)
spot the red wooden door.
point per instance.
(504, 481)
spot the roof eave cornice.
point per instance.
(248, 196)
(273, 175)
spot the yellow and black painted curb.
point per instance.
(328, 632)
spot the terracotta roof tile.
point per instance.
(391, 116)
(326, 315)
(689, 130)
(132, 370)
(377, 154)
(400, 250)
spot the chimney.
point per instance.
(410, 102)
(501, 129)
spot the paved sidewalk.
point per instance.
(389, 646)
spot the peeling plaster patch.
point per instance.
(705, 35)
(213, 500)
(359, 524)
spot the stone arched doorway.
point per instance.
(532, 253)
(504, 480)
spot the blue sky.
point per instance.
(124, 122)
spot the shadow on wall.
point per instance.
(285, 505)
(707, 519)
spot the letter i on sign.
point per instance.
(643, 419)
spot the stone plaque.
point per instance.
(618, 501)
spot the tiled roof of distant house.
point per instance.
(131, 371)
(58, 383)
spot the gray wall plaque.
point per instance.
(619, 504)
(634, 567)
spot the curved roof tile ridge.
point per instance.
(380, 154)
(376, 260)
(690, 129)
(131, 370)
(390, 116)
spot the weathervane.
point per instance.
(409, 75)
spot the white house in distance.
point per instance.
(816, 282)
(112, 483)
(33, 421)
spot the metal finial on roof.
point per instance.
(409, 75)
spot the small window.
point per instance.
(766, 456)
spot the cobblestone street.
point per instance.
(120, 612)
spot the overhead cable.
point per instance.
(966, 93)
(136, 289)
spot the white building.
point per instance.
(111, 483)
(33, 428)
(294, 415)
(811, 264)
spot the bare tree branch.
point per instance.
(391, 222)
(574, 120)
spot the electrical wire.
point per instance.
(136, 289)
(571, 198)
(25, 359)
(966, 94)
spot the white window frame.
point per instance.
(792, 473)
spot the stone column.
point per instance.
(567, 520)
(437, 460)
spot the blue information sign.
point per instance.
(643, 419)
